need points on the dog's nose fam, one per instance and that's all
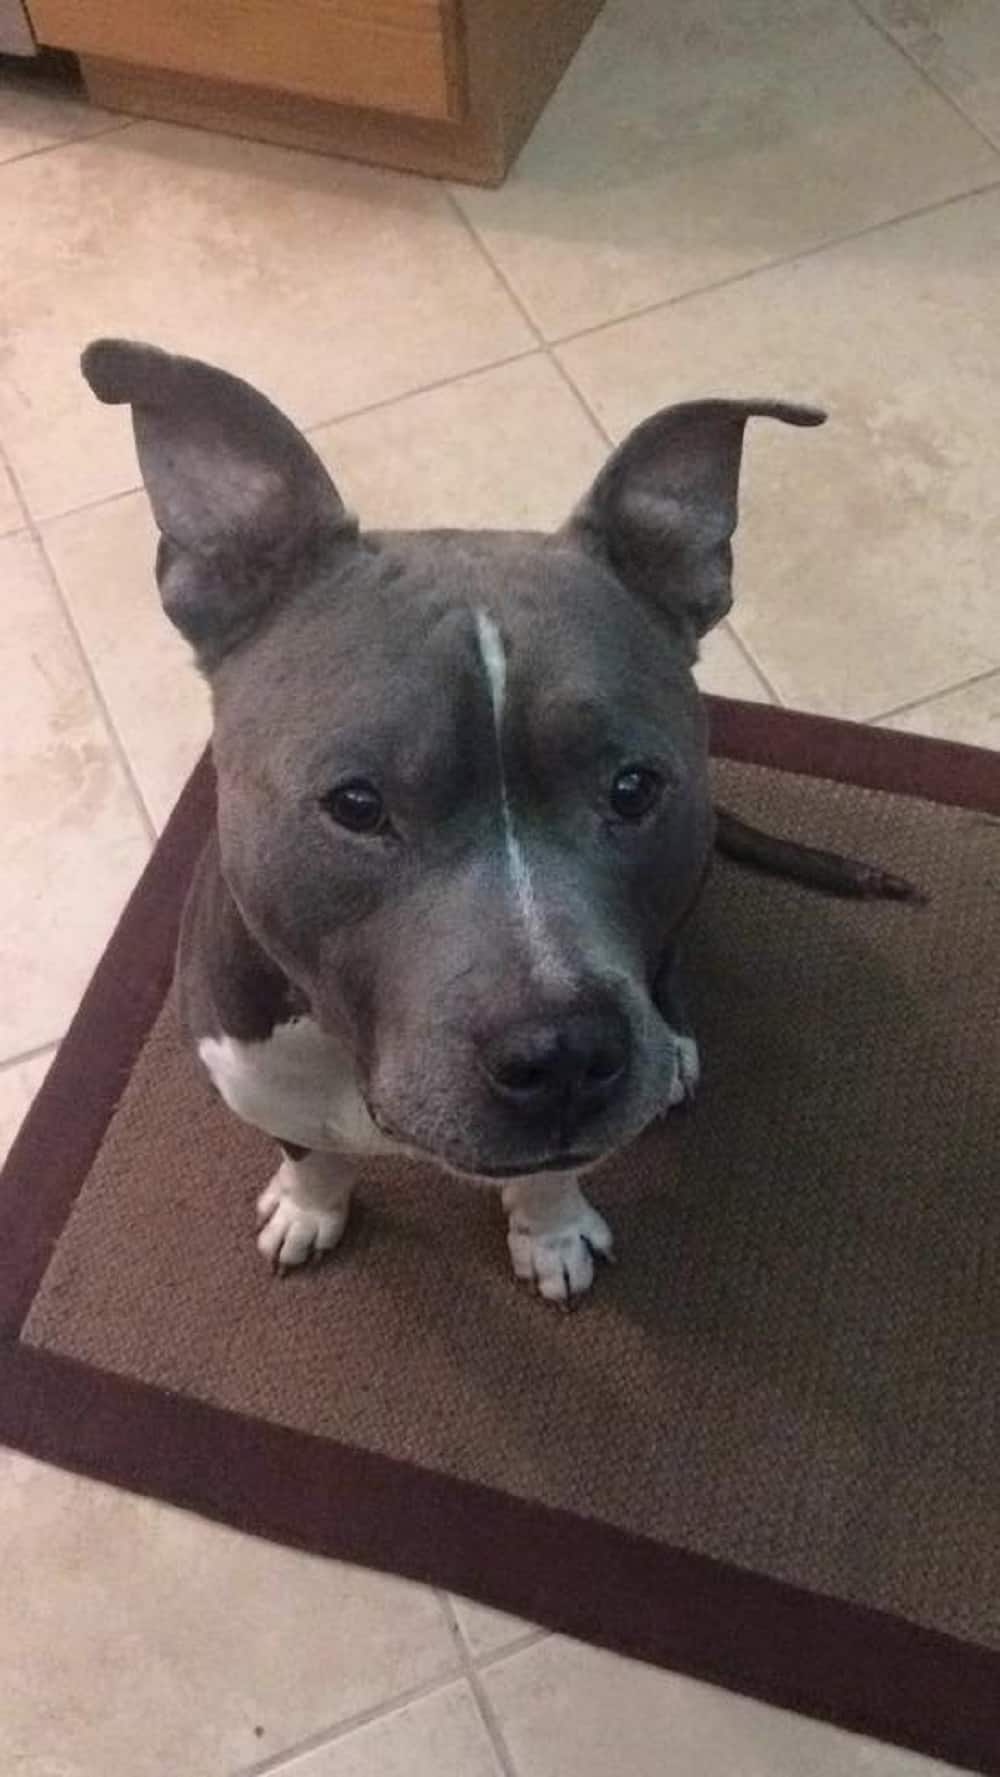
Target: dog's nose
(568, 1067)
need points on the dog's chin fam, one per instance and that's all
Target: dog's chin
(486, 1171)
(555, 1163)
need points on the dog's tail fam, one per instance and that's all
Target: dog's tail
(804, 863)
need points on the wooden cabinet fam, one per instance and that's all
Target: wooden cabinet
(397, 55)
(443, 86)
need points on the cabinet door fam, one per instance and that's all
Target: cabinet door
(391, 55)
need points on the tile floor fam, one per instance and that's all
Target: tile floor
(796, 197)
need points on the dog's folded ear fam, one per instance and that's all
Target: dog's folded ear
(664, 507)
(244, 506)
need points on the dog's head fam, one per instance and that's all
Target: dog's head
(463, 799)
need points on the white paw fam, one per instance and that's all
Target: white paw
(290, 1234)
(688, 1072)
(560, 1263)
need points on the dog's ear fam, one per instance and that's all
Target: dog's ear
(244, 506)
(664, 507)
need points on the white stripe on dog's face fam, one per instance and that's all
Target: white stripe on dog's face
(544, 955)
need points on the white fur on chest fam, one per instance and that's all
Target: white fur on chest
(298, 1085)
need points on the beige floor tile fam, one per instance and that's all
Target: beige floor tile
(725, 670)
(688, 143)
(18, 1085)
(485, 1631)
(866, 558)
(571, 1711)
(329, 285)
(440, 1736)
(34, 116)
(510, 448)
(103, 557)
(958, 42)
(73, 839)
(140, 1640)
(971, 714)
(11, 516)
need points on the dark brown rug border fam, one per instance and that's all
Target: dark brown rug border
(857, 1667)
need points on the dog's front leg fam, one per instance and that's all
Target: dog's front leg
(303, 1211)
(553, 1235)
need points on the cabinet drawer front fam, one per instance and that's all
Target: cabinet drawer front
(391, 55)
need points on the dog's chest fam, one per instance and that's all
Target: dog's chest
(298, 1085)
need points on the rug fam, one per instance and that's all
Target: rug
(765, 1451)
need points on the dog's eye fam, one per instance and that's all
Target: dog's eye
(635, 791)
(356, 806)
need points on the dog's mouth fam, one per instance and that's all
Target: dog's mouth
(554, 1163)
(560, 1162)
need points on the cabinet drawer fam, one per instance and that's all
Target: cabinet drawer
(391, 55)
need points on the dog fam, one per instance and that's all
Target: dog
(463, 806)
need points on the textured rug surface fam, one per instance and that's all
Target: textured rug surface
(767, 1449)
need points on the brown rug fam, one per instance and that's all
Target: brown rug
(766, 1451)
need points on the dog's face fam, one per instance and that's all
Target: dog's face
(463, 796)
(463, 803)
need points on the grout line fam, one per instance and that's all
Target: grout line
(770, 265)
(753, 663)
(529, 320)
(527, 1637)
(933, 697)
(488, 1717)
(110, 129)
(30, 1055)
(474, 1680)
(519, 1644)
(19, 506)
(925, 74)
(441, 382)
(363, 1718)
(501, 276)
(581, 400)
(117, 745)
(122, 493)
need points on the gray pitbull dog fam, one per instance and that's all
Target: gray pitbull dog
(463, 805)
